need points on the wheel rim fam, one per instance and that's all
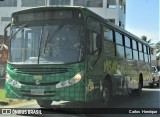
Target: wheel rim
(140, 87)
(105, 95)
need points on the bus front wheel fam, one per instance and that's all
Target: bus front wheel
(106, 93)
(44, 103)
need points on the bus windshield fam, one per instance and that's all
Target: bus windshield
(54, 44)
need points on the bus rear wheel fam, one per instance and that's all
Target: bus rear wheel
(44, 103)
(106, 93)
(137, 92)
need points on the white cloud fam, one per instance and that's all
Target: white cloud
(154, 36)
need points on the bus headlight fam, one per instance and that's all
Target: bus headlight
(77, 77)
(71, 81)
(13, 82)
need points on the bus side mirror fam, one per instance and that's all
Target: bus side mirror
(5, 31)
(5, 35)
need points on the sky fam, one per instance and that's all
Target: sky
(142, 18)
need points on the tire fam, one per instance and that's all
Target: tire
(44, 103)
(106, 93)
(137, 92)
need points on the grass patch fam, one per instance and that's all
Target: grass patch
(2, 95)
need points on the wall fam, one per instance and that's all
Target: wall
(7, 11)
(107, 13)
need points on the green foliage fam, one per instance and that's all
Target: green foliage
(146, 39)
(2, 95)
(149, 42)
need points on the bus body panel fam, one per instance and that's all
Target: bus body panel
(40, 78)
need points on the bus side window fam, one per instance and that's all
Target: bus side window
(108, 33)
(149, 54)
(140, 47)
(119, 45)
(128, 49)
(94, 44)
(135, 50)
(94, 35)
(146, 53)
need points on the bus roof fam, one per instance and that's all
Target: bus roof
(88, 13)
(45, 8)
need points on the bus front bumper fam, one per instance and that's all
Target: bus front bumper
(69, 90)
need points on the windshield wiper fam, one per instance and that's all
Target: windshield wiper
(45, 43)
(40, 43)
(47, 40)
(54, 33)
(14, 35)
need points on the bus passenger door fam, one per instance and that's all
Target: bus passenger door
(94, 48)
(94, 66)
(94, 42)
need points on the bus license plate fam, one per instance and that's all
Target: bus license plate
(37, 92)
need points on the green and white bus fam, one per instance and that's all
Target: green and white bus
(72, 54)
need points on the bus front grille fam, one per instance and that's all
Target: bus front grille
(41, 84)
(42, 71)
(29, 95)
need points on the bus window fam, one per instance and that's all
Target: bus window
(135, 55)
(141, 56)
(128, 53)
(149, 53)
(149, 58)
(148, 50)
(119, 39)
(127, 42)
(140, 47)
(146, 58)
(140, 52)
(120, 51)
(95, 43)
(144, 48)
(134, 44)
(128, 49)
(93, 25)
(108, 34)
(95, 39)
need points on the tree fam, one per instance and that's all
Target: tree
(145, 39)
(149, 42)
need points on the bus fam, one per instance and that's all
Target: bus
(72, 54)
